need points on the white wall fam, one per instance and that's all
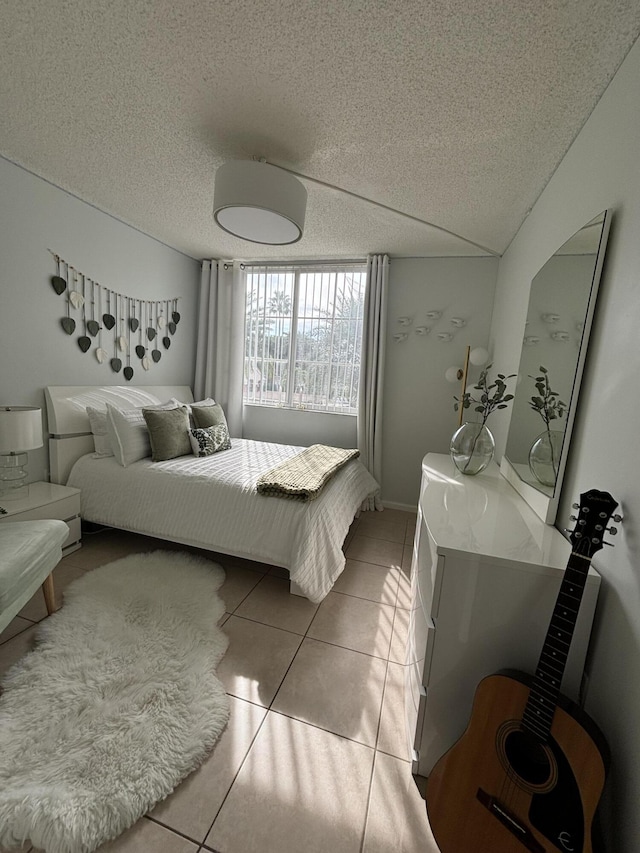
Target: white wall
(418, 415)
(601, 170)
(36, 216)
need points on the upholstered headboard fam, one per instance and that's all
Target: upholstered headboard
(68, 423)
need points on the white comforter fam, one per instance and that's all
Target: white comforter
(212, 503)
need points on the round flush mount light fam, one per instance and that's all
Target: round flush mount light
(259, 202)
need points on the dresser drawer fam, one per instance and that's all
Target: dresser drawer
(427, 570)
(422, 635)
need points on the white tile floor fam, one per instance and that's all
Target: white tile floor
(314, 758)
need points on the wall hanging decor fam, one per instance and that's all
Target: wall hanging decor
(107, 320)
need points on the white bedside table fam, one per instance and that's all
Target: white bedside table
(48, 500)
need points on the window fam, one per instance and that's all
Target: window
(303, 336)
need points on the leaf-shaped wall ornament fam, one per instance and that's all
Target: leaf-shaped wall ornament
(84, 342)
(76, 299)
(122, 341)
(116, 364)
(128, 371)
(146, 362)
(101, 354)
(151, 333)
(92, 325)
(156, 355)
(161, 321)
(57, 282)
(172, 328)
(68, 324)
(108, 319)
(166, 341)
(133, 321)
(140, 351)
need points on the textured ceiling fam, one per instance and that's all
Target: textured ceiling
(453, 111)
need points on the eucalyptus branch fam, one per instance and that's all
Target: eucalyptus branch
(548, 404)
(491, 396)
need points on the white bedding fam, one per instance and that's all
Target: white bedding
(177, 500)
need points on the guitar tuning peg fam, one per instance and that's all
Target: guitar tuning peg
(617, 518)
(611, 530)
(575, 506)
(573, 518)
(610, 544)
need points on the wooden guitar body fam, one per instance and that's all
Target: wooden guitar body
(499, 790)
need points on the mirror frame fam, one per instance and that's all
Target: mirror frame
(544, 505)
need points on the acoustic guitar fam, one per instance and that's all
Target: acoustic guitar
(528, 772)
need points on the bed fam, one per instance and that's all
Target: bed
(211, 502)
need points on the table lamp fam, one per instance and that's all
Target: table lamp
(20, 430)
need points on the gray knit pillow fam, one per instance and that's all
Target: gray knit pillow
(208, 416)
(168, 432)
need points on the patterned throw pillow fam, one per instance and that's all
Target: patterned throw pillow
(210, 440)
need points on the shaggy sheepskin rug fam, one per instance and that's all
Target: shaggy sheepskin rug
(117, 703)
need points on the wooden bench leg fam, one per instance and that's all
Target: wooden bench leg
(49, 594)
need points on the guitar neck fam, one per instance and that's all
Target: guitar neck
(545, 688)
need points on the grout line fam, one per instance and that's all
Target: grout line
(322, 729)
(237, 773)
(368, 804)
(171, 828)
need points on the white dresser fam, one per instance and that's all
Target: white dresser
(485, 575)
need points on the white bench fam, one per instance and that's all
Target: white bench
(29, 551)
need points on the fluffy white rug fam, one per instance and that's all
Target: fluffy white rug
(118, 702)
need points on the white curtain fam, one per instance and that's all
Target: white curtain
(372, 370)
(220, 345)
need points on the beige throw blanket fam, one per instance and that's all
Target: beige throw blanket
(303, 476)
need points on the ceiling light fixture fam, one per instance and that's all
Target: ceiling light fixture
(259, 202)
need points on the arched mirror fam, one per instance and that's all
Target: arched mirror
(561, 305)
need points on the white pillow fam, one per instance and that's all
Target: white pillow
(208, 402)
(101, 441)
(128, 433)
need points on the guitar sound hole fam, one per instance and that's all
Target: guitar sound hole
(527, 757)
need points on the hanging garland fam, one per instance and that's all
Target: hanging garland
(123, 316)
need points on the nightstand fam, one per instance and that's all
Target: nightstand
(48, 500)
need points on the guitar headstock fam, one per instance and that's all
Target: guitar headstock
(595, 510)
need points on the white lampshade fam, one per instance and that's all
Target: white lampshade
(20, 429)
(259, 202)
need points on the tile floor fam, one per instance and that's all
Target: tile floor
(314, 758)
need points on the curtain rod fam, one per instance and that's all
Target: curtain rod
(383, 206)
(293, 263)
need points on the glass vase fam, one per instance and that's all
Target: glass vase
(544, 456)
(472, 448)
